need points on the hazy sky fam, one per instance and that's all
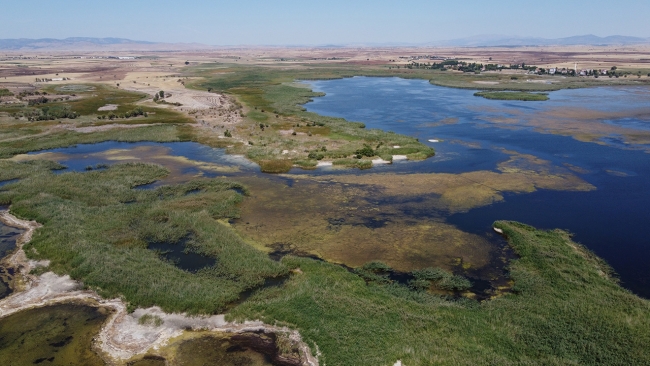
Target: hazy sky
(282, 22)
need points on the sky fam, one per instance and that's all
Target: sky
(308, 22)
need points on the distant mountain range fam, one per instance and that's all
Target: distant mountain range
(122, 44)
(496, 40)
(92, 44)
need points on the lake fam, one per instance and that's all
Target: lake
(475, 133)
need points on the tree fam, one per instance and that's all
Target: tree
(613, 68)
(161, 94)
(187, 62)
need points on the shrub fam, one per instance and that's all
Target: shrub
(315, 155)
(275, 166)
(366, 151)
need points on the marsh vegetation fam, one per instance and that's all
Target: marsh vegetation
(565, 308)
(97, 228)
(561, 304)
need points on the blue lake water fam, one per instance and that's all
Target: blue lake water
(612, 221)
(79, 157)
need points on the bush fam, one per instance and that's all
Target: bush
(419, 285)
(275, 166)
(442, 279)
(366, 151)
(315, 155)
(376, 266)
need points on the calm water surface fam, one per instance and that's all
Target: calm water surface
(611, 221)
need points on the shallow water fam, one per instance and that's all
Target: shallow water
(611, 220)
(52, 335)
(8, 237)
(182, 257)
(5, 182)
(210, 350)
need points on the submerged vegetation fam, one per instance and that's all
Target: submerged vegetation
(55, 335)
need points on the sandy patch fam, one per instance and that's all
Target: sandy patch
(108, 107)
(380, 161)
(486, 82)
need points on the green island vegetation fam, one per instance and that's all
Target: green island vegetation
(525, 96)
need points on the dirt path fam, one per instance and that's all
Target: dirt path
(122, 337)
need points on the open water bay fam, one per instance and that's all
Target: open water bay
(594, 133)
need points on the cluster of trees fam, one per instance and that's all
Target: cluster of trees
(463, 66)
(159, 98)
(160, 95)
(6, 93)
(138, 111)
(49, 113)
(37, 101)
(366, 151)
(23, 94)
(317, 154)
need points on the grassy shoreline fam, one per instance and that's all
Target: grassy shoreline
(510, 95)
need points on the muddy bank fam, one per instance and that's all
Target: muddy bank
(124, 335)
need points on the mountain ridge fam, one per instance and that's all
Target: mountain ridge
(124, 44)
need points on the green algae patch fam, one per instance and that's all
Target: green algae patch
(566, 308)
(51, 335)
